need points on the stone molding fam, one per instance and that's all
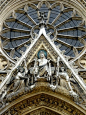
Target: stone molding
(42, 97)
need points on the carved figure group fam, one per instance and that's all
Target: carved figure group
(42, 68)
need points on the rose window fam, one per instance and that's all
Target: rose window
(63, 25)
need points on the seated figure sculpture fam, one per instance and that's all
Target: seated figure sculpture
(42, 66)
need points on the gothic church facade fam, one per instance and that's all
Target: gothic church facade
(42, 57)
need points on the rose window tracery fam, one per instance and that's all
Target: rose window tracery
(62, 23)
(43, 58)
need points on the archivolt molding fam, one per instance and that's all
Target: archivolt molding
(43, 110)
(42, 97)
(14, 4)
(3, 3)
(83, 2)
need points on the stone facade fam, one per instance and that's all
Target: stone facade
(42, 57)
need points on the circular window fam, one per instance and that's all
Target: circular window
(62, 24)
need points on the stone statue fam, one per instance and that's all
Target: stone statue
(42, 66)
(63, 75)
(18, 81)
